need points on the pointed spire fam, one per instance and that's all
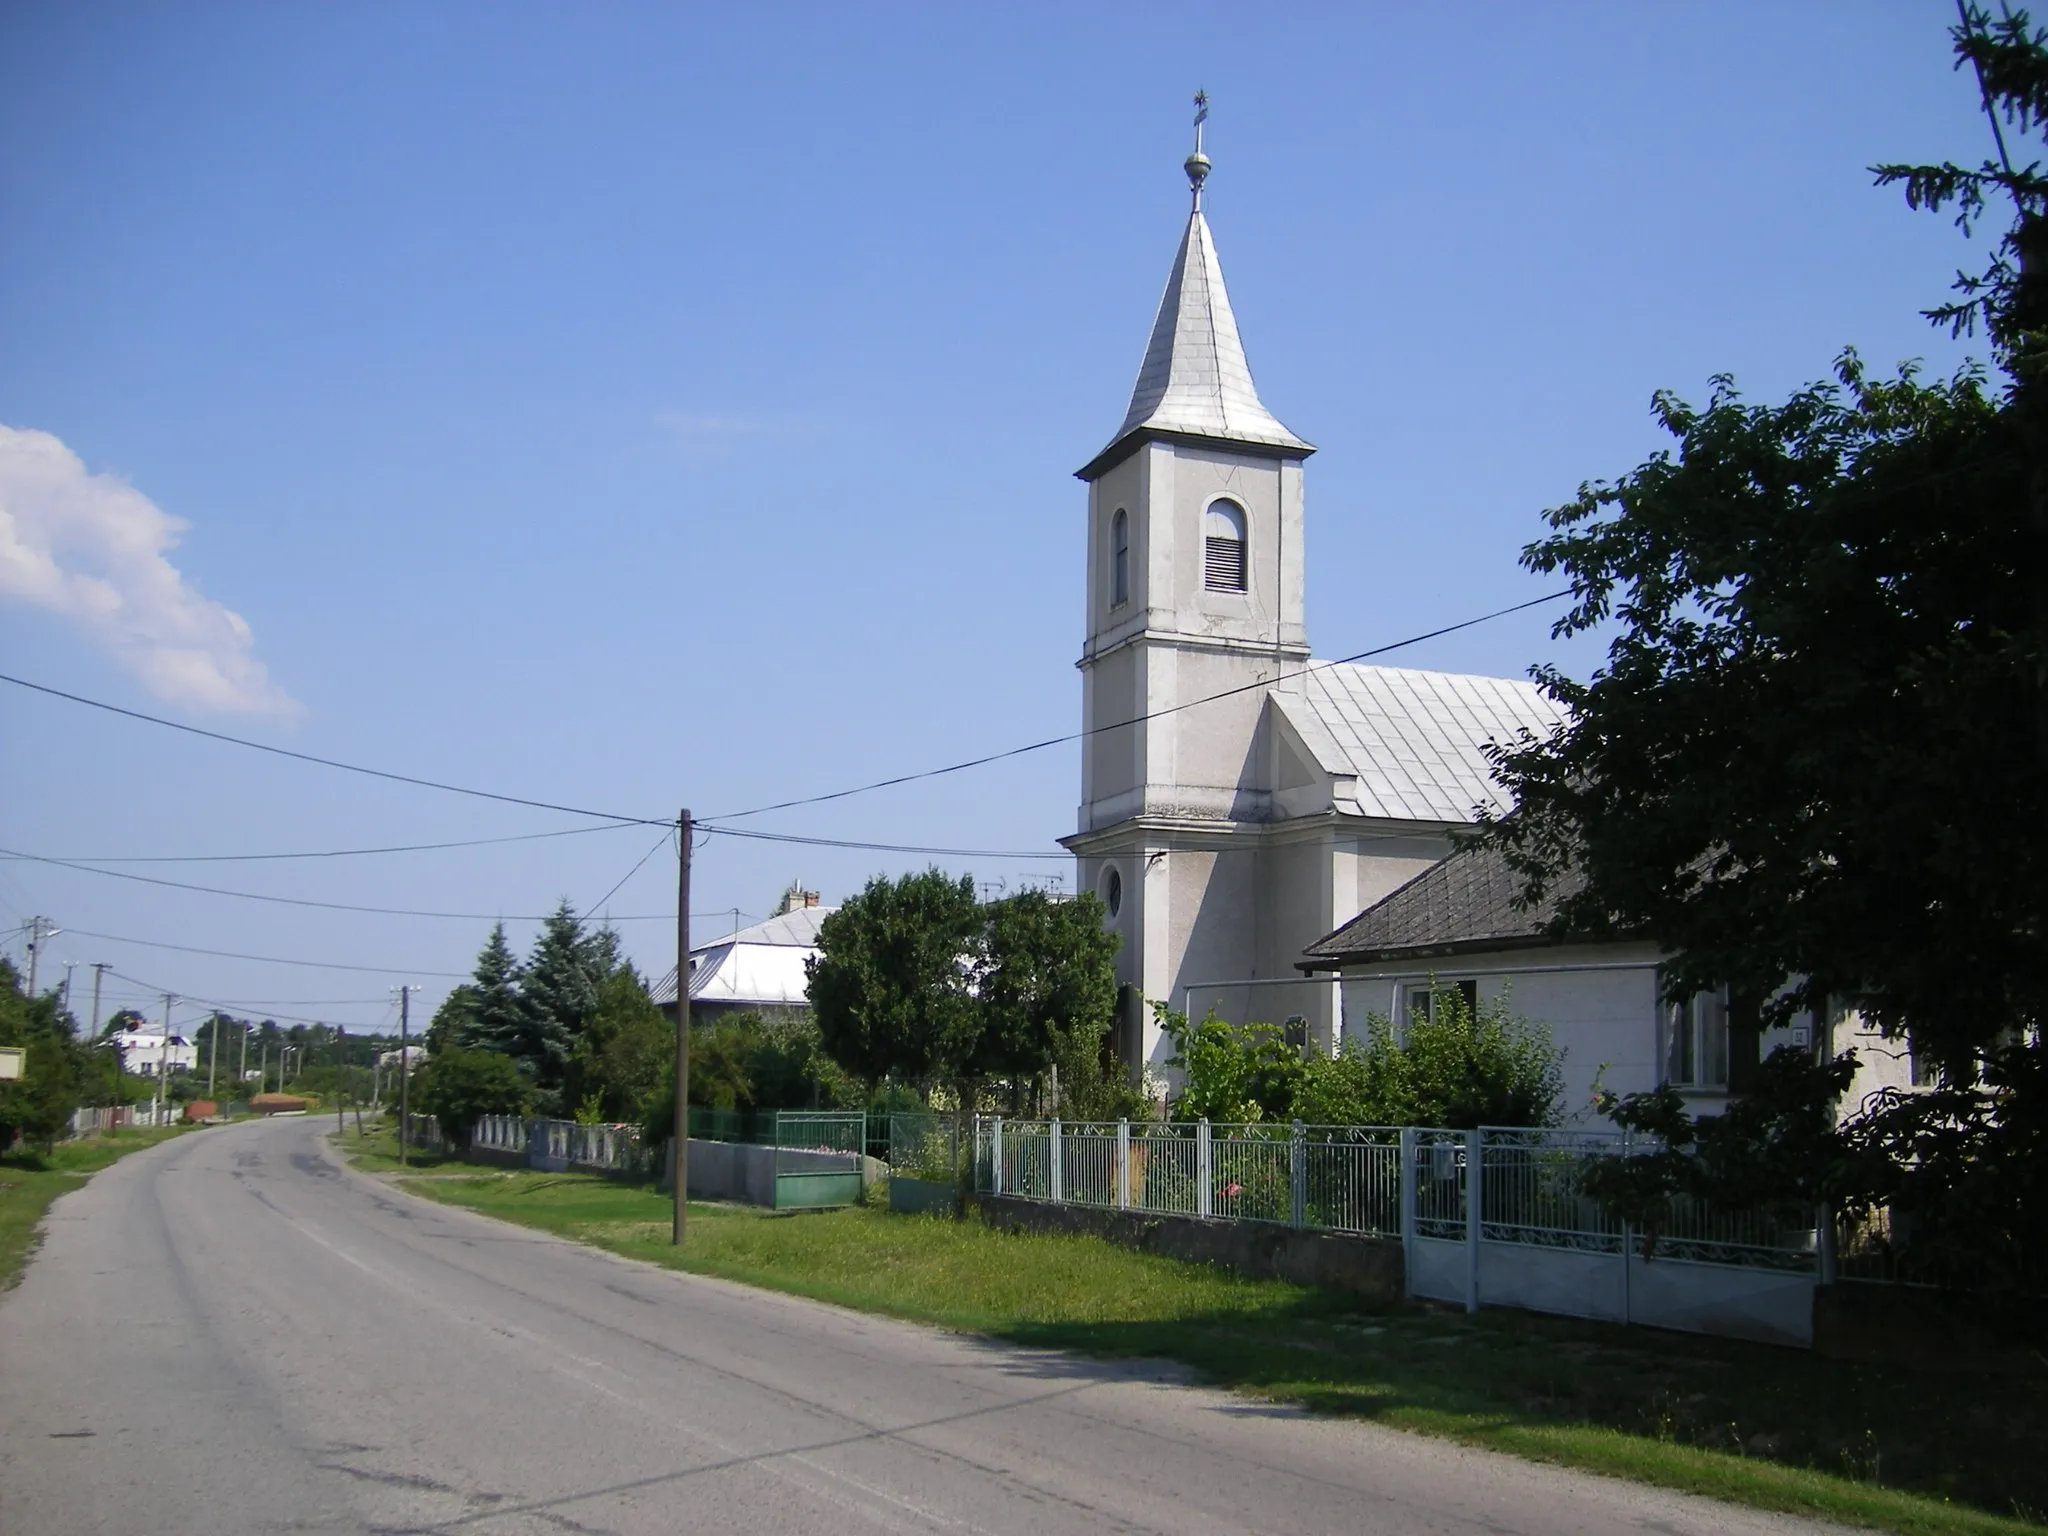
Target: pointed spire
(1195, 380)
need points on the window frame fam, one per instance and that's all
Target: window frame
(1693, 1041)
(1119, 558)
(1233, 513)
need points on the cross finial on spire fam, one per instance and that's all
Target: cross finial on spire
(1197, 164)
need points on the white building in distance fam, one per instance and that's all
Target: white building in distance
(143, 1052)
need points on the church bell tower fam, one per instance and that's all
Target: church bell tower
(1194, 590)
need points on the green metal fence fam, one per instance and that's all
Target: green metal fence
(820, 1158)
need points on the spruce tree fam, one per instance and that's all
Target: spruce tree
(558, 998)
(491, 1016)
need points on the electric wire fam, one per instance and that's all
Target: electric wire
(343, 853)
(326, 762)
(229, 954)
(1096, 730)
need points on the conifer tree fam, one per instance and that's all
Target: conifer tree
(558, 997)
(490, 1016)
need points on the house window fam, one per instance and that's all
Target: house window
(1223, 547)
(1921, 1071)
(1696, 1040)
(1423, 1001)
(1113, 891)
(1119, 559)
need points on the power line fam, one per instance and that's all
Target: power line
(229, 954)
(1082, 735)
(326, 762)
(840, 842)
(307, 901)
(342, 853)
(666, 837)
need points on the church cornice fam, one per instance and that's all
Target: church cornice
(1183, 641)
(1138, 438)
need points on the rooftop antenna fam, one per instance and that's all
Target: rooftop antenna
(1197, 164)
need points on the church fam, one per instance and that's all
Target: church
(1239, 800)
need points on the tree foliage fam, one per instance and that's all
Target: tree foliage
(459, 1087)
(892, 984)
(1819, 742)
(1455, 1067)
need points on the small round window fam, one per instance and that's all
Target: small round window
(1113, 891)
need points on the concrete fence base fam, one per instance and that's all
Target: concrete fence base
(1364, 1266)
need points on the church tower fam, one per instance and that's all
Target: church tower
(1195, 589)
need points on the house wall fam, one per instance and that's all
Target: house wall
(1599, 1003)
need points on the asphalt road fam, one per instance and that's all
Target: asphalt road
(233, 1333)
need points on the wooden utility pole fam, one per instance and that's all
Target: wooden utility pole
(681, 1130)
(163, 1061)
(99, 974)
(340, 1075)
(212, 1049)
(242, 1072)
(404, 1062)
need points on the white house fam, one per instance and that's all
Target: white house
(758, 969)
(1455, 925)
(143, 1052)
(1239, 800)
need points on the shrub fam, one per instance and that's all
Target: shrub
(459, 1087)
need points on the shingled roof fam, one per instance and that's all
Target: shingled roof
(1466, 902)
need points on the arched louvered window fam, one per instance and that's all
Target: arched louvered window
(1223, 547)
(1119, 559)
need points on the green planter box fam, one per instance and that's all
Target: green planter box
(917, 1197)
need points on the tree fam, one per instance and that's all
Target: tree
(489, 1015)
(459, 1087)
(626, 1052)
(1234, 1074)
(892, 985)
(557, 995)
(38, 1105)
(1819, 744)
(1046, 993)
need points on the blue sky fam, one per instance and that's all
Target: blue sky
(634, 406)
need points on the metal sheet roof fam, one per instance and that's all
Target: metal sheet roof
(1412, 740)
(761, 965)
(1195, 379)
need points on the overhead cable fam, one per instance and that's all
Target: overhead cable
(229, 954)
(325, 762)
(1096, 730)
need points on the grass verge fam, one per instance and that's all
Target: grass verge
(1887, 1447)
(30, 1181)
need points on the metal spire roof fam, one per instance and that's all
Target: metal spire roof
(1195, 379)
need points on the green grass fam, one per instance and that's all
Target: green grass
(30, 1181)
(1888, 1447)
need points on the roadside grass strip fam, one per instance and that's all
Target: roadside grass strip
(31, 1181)
(1887, 1447)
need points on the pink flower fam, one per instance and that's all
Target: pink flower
(1232, 1191)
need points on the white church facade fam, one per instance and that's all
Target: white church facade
(1240, 800)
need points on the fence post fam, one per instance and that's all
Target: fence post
(1297, 1175)
(995, 1143)
(1475, 1146)
(1628, 1300)
(1203, 1193)
(1824, 1244)
(1057, 1173)
(1405, 1152)
(1123, 1165)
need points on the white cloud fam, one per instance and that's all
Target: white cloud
(92, 547)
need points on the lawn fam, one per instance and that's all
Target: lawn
(1887, 1447)
(30, 1181)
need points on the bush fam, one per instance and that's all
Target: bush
(459, 1087)
(1458, 1069)
(1234, 1073)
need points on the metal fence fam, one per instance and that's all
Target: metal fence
(1336, 1178)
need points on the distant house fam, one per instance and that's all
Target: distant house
(142, 1052)
(1456, 926)
(758, 969)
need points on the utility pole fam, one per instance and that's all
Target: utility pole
(681, 1130)
(39, 929)
(99, 975)
(242, 1072)
(340, 1076)
(404, 1062)
(263, 1069)
(69, 967)
(163, 1060)
(212, 1049)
